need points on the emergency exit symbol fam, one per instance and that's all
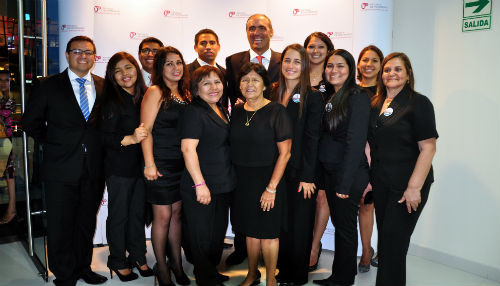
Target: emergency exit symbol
(476, 15)
(479, 4)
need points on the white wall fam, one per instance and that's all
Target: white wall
(460, 73)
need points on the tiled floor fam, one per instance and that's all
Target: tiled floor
(16, 268)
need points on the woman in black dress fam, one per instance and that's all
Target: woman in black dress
(402, 139)
(122, 133)
(342, 156)
(260, 148)
(318, 45)
(208, 180)
(161, 111)
(304, 107)
(369, 63)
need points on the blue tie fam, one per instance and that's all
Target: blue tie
(84, 103)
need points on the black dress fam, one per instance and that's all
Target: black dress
(254, 153)
(167, 155)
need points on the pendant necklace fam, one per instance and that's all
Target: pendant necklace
(248, 120)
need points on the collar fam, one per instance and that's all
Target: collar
(266, 54)
(145, 73)
(203, 63)
(73, 76)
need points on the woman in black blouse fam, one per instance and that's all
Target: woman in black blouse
(402, 140)
(369, 63)
(122, 133)
(304, 107)
(260, 148)
(318, 45)
(208, 180)
(342, 156)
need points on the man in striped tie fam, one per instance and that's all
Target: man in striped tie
(61, 115)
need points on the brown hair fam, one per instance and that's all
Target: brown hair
(362, 53)
(199, 74)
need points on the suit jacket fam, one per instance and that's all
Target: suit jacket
(234, 64)
(54, 118)
(195, 64)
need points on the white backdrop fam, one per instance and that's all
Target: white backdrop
(120, 25)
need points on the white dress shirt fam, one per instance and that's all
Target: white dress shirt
(89, 87)
(147, 77)
(265, 60)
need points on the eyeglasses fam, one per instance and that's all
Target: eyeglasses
(79, 52)
(146, 51)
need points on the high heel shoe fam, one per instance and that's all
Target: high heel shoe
(157, 277)
(124, 278)
(144, 273)
(362, 268)
(256, 281)
(182, 279)
(8, 218)
(315, 266)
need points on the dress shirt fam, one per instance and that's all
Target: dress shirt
(265, 60)
(89, 87)
(147, 77)
(203, 63)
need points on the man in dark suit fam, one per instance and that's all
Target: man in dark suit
(259, 33)
(61, 115)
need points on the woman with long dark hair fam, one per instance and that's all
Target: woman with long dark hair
(342, 156)
(122, 133)
(161, 111)
(304, 107)
(402, 140)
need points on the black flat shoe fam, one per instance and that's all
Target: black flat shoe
(144, 273)
(315, 266)
(90, 277)
(124, 278)
(221, 277)
(328, 282)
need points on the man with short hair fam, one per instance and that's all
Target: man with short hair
(147, 50)
(259, 33)
(61, 115)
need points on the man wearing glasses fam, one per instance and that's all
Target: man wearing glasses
(147, 50)
(61, 115)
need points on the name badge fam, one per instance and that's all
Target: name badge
(388, 111)
(296, 98)
(328, 107)
(322, 88)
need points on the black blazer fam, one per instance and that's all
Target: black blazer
(306, 133)
(394, 138)
(234, 64)
(54, 118)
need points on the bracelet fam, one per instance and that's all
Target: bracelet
(270, 191)
(199, 185)
(145, 167)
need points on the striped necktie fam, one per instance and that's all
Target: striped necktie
(84, 103)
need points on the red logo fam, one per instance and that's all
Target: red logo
(97, 58)
(166, 13)
(63, 27)
(330, 35)
(103, 202)
(296, 11)
(132, 34)
(97, 9)
(231, 14)
(364, 5)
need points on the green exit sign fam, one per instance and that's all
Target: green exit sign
(476, 15)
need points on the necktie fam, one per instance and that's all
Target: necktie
(259, 58)
(84, 103)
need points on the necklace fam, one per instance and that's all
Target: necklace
(176, 99)
(248, 120)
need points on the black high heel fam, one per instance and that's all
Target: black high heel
(144, 273)
(182, 279)
(124, 278)
(315, 266)
(157, 277)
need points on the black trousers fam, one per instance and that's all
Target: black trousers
(395, 227)
(296, 236)
(71, 222)
(206, 229)
(125, 222)
(344, 214)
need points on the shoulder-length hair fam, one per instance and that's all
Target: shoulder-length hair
(339, 100)
(323, 37)
(112, 90)
(379, 53)
(260, 70)
(199, 74)
(304, 84)
(157, 77)
(379, 98)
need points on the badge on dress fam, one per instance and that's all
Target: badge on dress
(296, 98)
(328, 107)
(322, 88)
(388, 111)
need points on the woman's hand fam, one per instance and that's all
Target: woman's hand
(203, 195)
(267, 201)
(308, 189)
(412, 198)
(342, 196)
(151, 173)
(140, 133)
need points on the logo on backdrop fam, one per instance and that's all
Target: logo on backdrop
(137, 36)
(174, 14)
(106, 10)
(304, 12)
(339, 35)
(72, 28)
(367, 6)
(101, 59)
(235, 14)
(277, 38)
